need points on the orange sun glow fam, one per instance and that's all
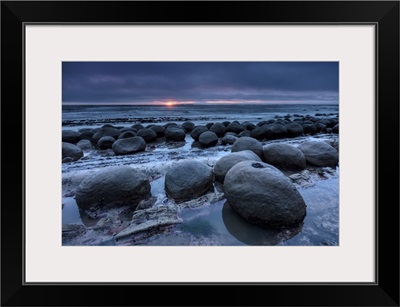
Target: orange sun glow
(170, 103)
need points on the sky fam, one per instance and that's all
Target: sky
(173, 83)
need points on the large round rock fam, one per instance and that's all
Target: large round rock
(277, 131)
(235, 127)
(188, 126)
(284, 157)
(187, 180)
(117, 185)
(261, 133)
(310, 129)
(71, 152)
(147, 134)
(262, 195)
(294, 129)
(129, 145)
(319, 153)
(174, 133)
(248, 143)
(218, 129)
(70, 136)
(208, 139)
(225, 163)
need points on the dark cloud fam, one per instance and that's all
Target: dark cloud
(149, 82)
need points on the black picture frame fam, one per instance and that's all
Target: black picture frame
(383, 14)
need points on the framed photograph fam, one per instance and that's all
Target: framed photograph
(201, 151)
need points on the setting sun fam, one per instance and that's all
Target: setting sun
(170, 103)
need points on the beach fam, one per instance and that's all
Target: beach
(206, 219)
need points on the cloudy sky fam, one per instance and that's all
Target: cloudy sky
(199, 82)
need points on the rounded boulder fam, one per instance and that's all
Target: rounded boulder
(248, 143)
(188, 180)
(263, 195)
(71, 152)
(208, 139)
(261, 133)
(188, 126)
(310, 129)
(147, 134)
(277, 131)
(129, 145)
(284, 157)
(294, 129)
(117, 185)
(174, 133)
(70, 136)
(235, 127)
(319, 153)
(218, 129)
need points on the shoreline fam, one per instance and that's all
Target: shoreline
(103, 226)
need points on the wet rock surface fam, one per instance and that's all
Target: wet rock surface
(319, 153)
(70, 136)
(188, 179)
(284, 157)
(263, 195)
(143, 220)
(198, 220)
(70, 152)
(129, 145)
(248, 143)
(119, 185)
(208, 139)
(175, 134)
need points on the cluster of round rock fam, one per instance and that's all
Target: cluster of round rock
(253, 181)
(129, 140)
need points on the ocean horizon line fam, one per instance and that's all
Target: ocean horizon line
(196, 104)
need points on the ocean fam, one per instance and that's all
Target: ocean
(76, 115)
